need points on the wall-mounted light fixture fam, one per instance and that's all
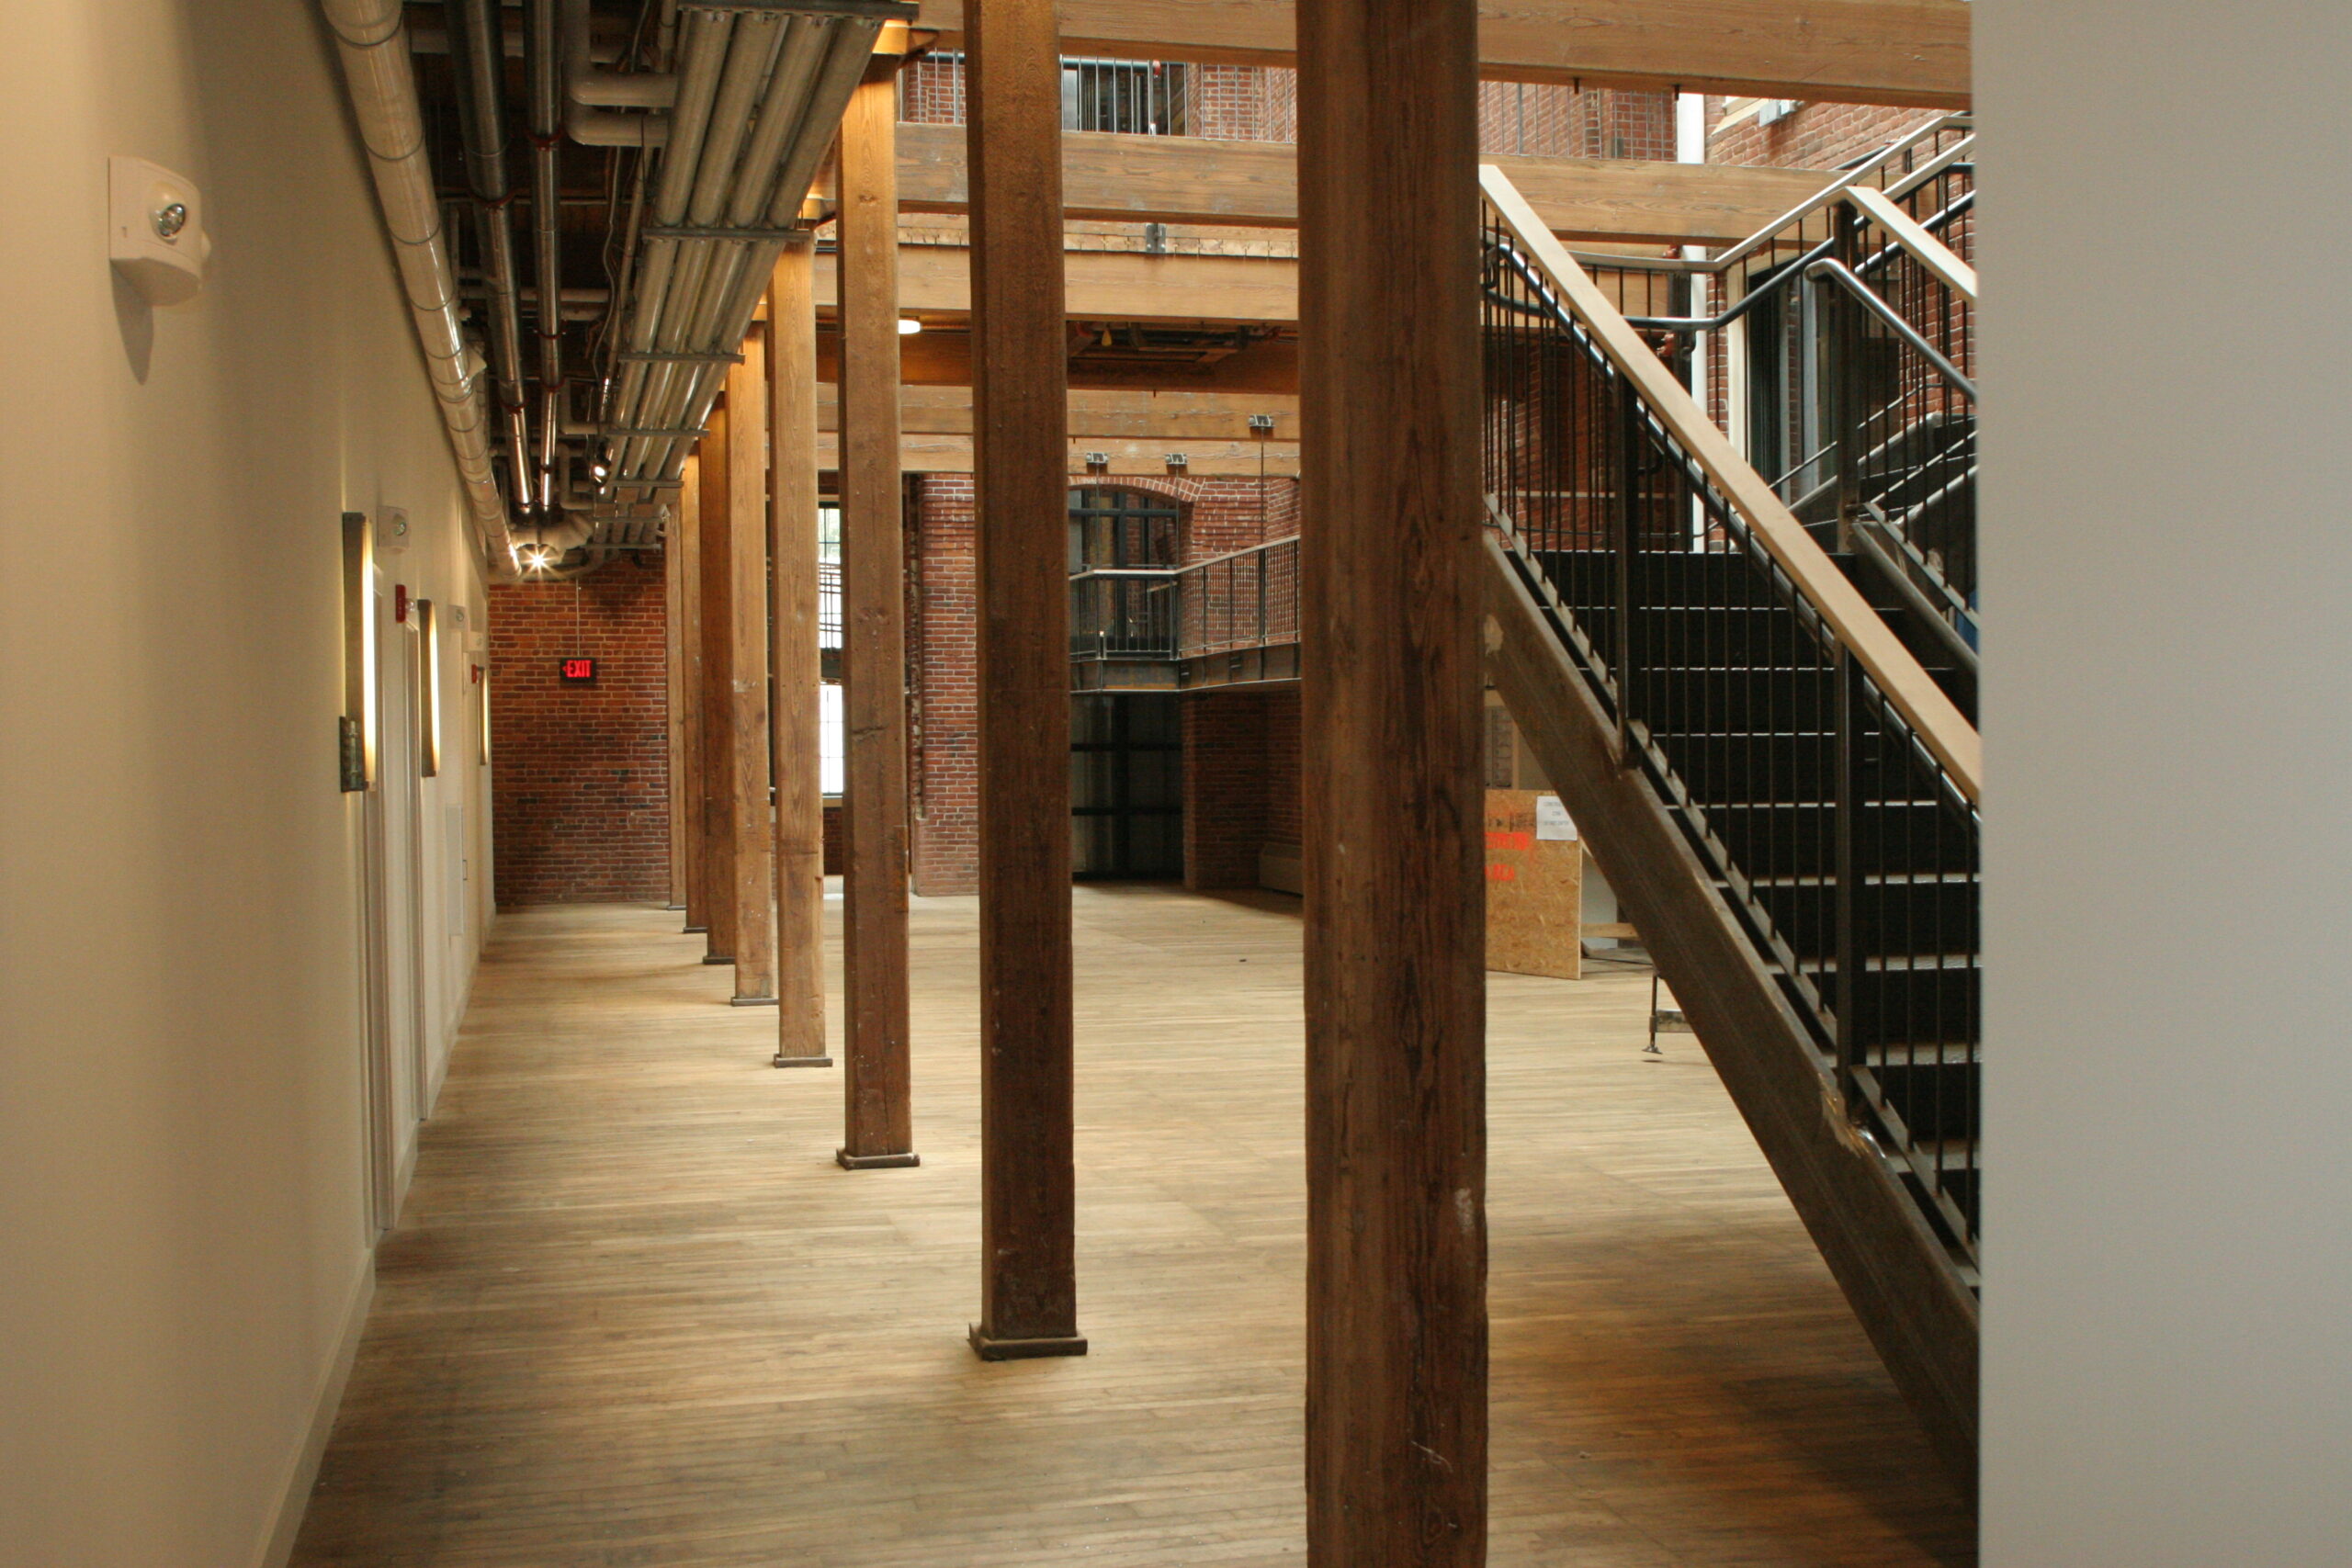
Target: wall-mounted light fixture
(356, 724)
(1177, 462)
(156, 238)
(429, 631)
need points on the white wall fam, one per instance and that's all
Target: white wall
(182, 1237)
(2166, 241)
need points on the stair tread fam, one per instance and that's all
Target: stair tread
(1944, 1054)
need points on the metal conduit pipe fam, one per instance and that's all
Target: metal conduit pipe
(702, 50)
(541, 68)
(596, 128)
(751, 59)
(372, 44)
(477, 54)
(784, 112)
(768, 196)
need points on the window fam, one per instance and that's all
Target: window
(831, 743)
(829, 578)
(1121, 529)
(1138, 97)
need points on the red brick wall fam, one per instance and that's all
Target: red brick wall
(1817, 136)
(1241, 782)
(931, 92)
(579, 775)
(1221, 515)
(943, 707)
(1248, 103)
(1545, 121)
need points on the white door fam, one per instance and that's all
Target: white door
(380, 1081)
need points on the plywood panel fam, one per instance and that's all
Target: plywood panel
(1534, 888)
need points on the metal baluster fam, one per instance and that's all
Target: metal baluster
(1629, 414)
(1848, 937)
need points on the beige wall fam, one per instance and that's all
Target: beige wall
(2167, 559)
(183, 1233)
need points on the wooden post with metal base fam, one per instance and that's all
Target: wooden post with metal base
(686, 540)
(878, 1120)
(674, 702)
(751, 800)
(799, 782)
(1021, 415)
(718, 591)
(1395, 987)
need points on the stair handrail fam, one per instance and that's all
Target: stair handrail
(1911, 235)
(1852, 179)
(1935, 721)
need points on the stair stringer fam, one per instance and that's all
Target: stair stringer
(1919, 1313)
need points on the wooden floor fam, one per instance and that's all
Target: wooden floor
(634, 1315)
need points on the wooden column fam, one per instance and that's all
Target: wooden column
(718, 592)
(753, 808)
(799, 781)
(1020, 385)
(687, 790)
(1396, 1116)
(880, 1120)
(674, 702)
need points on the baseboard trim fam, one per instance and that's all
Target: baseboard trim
(295, 1501)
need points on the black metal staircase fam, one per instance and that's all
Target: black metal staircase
(1773, 744)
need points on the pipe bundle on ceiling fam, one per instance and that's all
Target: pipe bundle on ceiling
(373, 46)
(758, 95)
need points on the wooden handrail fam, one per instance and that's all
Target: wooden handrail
(1923, 247)
(1941, 727)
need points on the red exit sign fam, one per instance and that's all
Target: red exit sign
(578, 671)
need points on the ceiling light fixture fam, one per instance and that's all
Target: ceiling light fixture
(908, 326)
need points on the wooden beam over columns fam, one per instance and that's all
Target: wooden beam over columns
(1028, 1198)
(716, 592)
(1190, 179)
(751, 805)
(880, 1118)
(1396, 993)
(1847, 52)
(688, 786)
(799, 784)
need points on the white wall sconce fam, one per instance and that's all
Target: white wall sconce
(156, 237)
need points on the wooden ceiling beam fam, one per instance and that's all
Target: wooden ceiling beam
(1165, 421)
(1184, 179)
(1857, 52)
(929, 453)
(1106, 286)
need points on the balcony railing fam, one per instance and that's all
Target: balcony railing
(1155, 627)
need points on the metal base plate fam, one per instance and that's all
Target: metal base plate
(876, 1162)
(989, 1349)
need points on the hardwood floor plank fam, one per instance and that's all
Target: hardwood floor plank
(635, 1314)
